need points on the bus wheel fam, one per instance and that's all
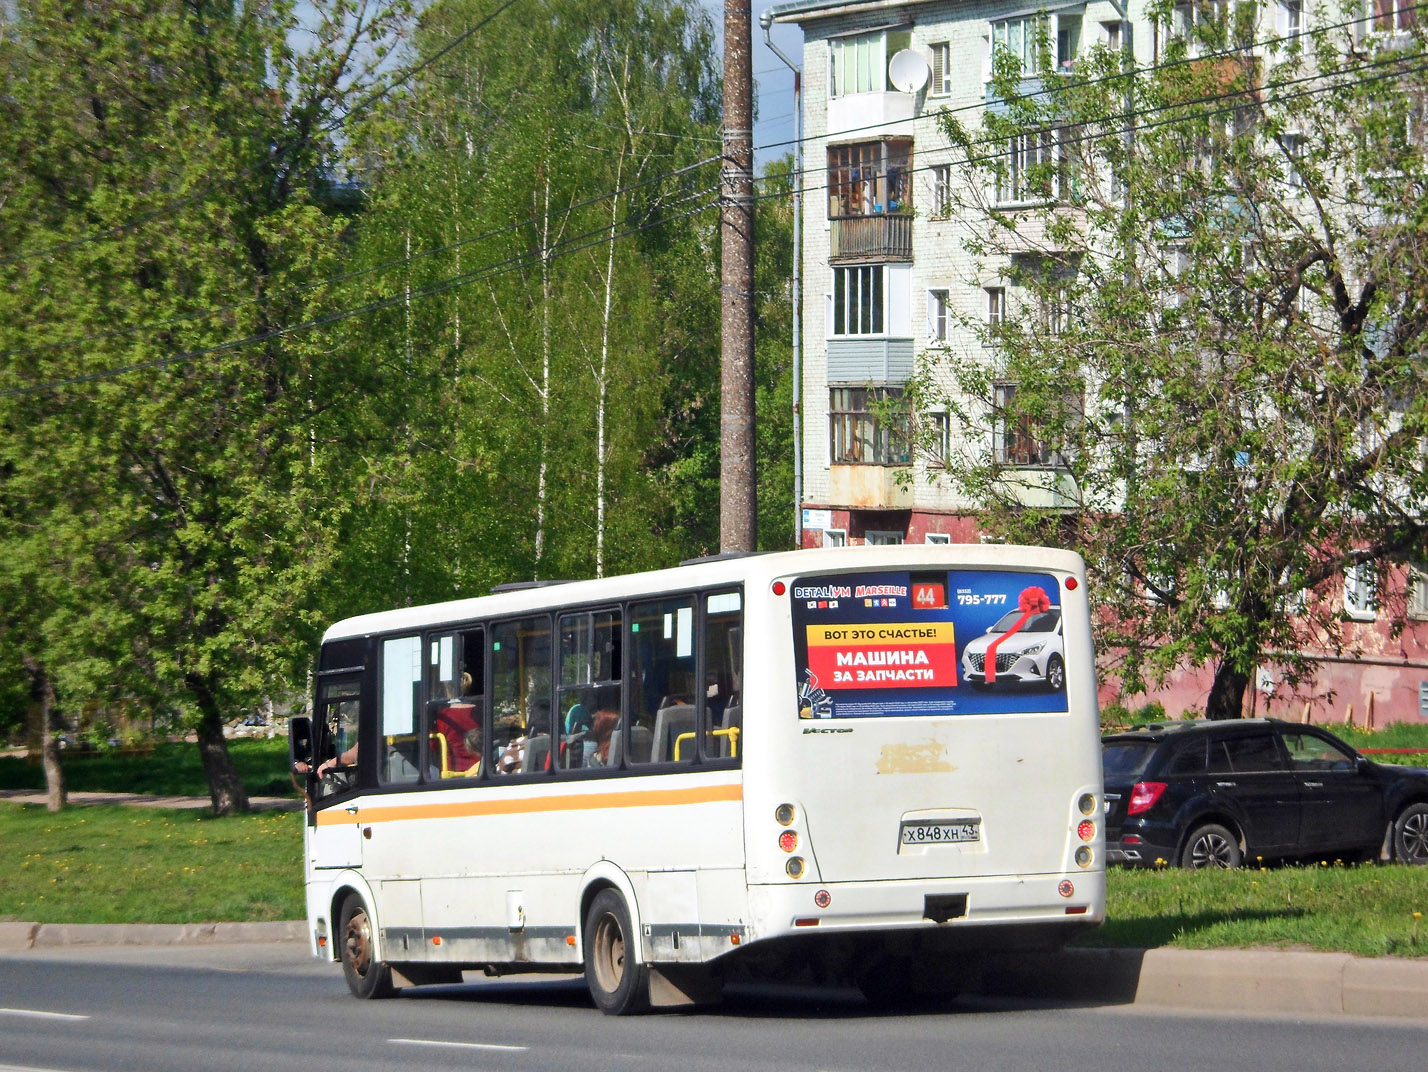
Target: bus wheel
(366, 978)
(618, 982)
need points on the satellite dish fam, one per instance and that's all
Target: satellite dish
(908, 71)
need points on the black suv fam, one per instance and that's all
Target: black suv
(1216, 794)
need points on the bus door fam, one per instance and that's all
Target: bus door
(336, 836)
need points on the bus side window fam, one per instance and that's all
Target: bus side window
(521, 723)
(722, 718)
(662, 682)
(587, 705)
(400, 761)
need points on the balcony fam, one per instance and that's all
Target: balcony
(882, 238)
(870, 487)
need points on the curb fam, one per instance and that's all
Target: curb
(14, 936)
(1240, 980)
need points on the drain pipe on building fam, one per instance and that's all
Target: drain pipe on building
(766, 21)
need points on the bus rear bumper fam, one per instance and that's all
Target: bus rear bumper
(1003, 902)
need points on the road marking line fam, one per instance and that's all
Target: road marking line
(455, 1045)
(42, 1015)
(28, 1068)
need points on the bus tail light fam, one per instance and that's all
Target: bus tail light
(1143, 796)
(788, 841)
(1086, 830)
(1087, 803)
(794, 867)
(1083, 857)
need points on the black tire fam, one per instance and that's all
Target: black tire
(1211, 845)
(1056, 674)
(618, 980)
(366, 978)
(1410, 835)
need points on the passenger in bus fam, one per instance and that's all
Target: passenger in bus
(346, 759)
(511, 741)
(456, 722)
(602, 729)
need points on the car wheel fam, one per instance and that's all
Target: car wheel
(1410, 835)
(1056, 674)
(1211, 845)
(366, 977)
(617, 980)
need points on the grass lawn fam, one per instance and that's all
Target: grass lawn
(1368, 909)
(173, 769)
(107, 864)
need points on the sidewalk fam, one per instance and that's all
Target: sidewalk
(32, 796)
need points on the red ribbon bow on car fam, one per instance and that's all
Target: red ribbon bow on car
(1032, 601)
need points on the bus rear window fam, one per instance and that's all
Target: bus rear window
(948, 642)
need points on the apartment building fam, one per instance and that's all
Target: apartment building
(887, 279)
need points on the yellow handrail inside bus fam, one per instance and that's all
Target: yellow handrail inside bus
(732, 733)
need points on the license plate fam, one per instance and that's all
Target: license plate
(940, 831)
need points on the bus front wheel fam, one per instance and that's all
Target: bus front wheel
(366, 977)
(617, 979)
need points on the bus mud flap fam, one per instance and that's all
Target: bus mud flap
(684, 984)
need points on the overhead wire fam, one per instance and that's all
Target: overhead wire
(570, 246)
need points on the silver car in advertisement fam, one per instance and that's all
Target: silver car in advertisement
(1024, 648)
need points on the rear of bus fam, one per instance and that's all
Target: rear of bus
(928, 778)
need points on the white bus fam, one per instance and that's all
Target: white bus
(776, 763)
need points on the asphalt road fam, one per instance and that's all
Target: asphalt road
(253, 1008)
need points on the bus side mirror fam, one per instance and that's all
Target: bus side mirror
(300, 741)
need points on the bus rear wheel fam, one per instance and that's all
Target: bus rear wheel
(366, 977)
(618, 981)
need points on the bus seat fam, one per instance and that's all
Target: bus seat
(640, 743)
(670, 722)
(733, 720)
(537, 752)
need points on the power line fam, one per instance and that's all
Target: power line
(402, 261)
(1061, 86)
(570, 246)
(1345, 76)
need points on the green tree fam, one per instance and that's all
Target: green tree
(535, 196)
(175, 465)
(1214, 351)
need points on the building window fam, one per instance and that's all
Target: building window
(1418, 591)
(941, 84)
(858, 63)
(996, 305)
(1291, 18)
(1361, 592)
(858, 300)
(835, 537)
(878, 538)
(941, 538)
(1111, 35)
(942, 190)
(1015, 438)
(869, 178)
(1035, 167)
(1395, 16)
(937, 437)
(1019, 38)
(859, 434)
(1294, 149)
(938, 313)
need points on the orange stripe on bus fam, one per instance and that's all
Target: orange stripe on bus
(460, 809)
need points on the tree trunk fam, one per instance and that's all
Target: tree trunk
(1227, 694)
(42, 715)
(225, 788)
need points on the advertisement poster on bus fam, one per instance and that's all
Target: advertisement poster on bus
(956, 642)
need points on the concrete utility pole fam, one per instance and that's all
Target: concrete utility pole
(738, 499)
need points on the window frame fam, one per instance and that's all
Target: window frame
(856, 435)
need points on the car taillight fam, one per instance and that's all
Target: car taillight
(1143, 796)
